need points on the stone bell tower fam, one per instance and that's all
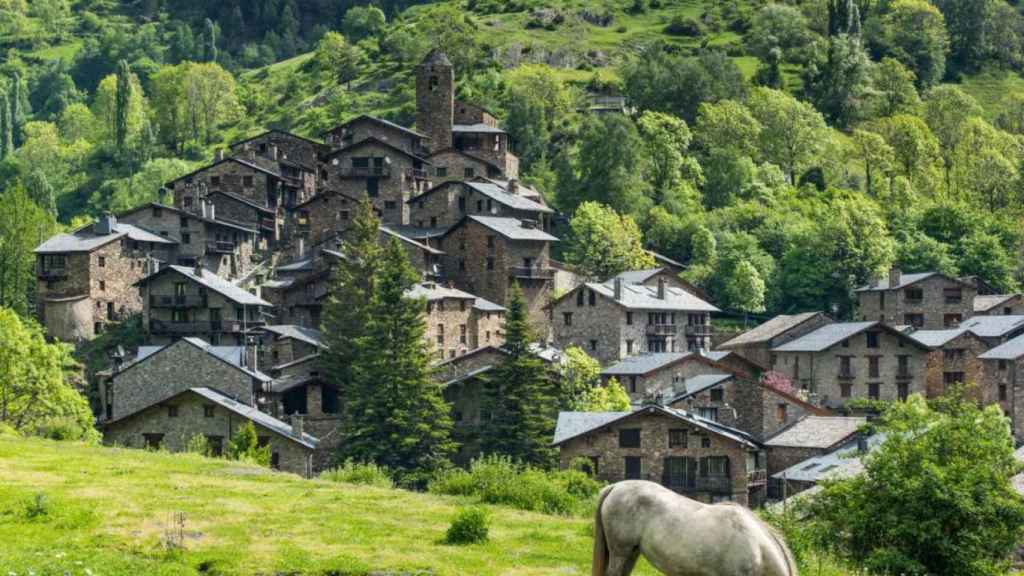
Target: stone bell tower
(435, 99)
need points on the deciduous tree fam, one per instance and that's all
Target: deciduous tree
(603, 243)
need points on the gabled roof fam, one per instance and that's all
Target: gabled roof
(250, 413)
(376, 120)
(372, 140)
(511, 228)
(493, 191)
(487, 306)
(243, 200)
(642, 364)
(993, 326)
(432, 291)
(843, 462)
(483, 161)
(234, 356)
(321, 195)
(467, 376)
(881, 284)
(192, 215)
(695, 385)
(278, 131)
(817, 432)
(938, 338)
(234, 159)
(984, 303)
(573, 424)
(391, 231)
(1010, 350)
(771, 329)
(832, 334)
(85, 240)
(295, 332)
(478, 128)
(641, 297)
(638, 276)
(213, 282)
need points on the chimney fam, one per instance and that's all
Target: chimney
(105, 225)
(895, 276)
(297, 426)
(302, 247)
(529, 224)
(274, 151)
(661, 288)
(513, 186)
(220, 154)
(862, 443)
(204, 211)
(618, 288)
(198, 270)
(252, 155)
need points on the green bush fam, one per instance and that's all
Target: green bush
(358, 473)
(499, 480)
(681, 26)
(66, 428)
(38, 506)
(470, 526)
(198, 444)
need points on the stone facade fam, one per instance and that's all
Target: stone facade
(299, 391)
(169, 372)
(643, 384)
(485, 263)
(1003, 384)
(465, 396)
(956, 362)
(435, 99)
(934, 302)
(374, 169)
(759, 351)
(473, 360)
(231, 175)
(248, 214)
(194, 414)
(744, 482)
(274, 144)
(886, 366)
(452, 164)
(321, 218)
(364, 127)
(447, 203)
(1005, 305)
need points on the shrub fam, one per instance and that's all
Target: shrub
(681, 26)
(470, 526)
(358, 473)
(198, 444)
(66, 428)
(38, 506)
(245, 446)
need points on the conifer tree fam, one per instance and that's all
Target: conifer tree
(210, 40)
(396, 416)
(6, 126)
(20, 107)
(123, 97)
(519, 396)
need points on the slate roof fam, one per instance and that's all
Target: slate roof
(695, 385)
(265, 420)
(415, 232)
(496, 192)
(379, 142)
(772, 328)
(85, 240)
(431, 291)
(936, 338)
(640, 297)
(644, 363)
(213, 282)
(467, 376)
(380, 121)
(190, 215)
(573, 424)
(830, 335)
(817, 432)
(242, 200)
(478, 128)
(1010, 350)
(233, 355)
(437, 57)
(993, 326)
(843, 462)
(639, 276)
(905, 280)
(391, 231)
(513, 228)
(277, 131)
(301, 333)
(487, 306)
(984, 303)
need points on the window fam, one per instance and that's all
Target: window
(632, 384)
(579, 298)
(172, 411)
(953, 354)
(1002, 392)
(677, 438)
(781, 412)
(629, 347)
(951, 320)
(591, 298)
(214, 180)
(593, 345)
(442, 171)
(845, 389)
(372, 187)
(1002, 365)
(490, 241)
(433, 221)
(915, 320)
(633, 468)
(186, 238)
(208, 411)
(715, 466)
(343, 215)
(247, 181)
(567, 318)
(159, 212)
(705, 441)
(902, 390)
(469, 172)
(462, 334)
(103, 285)
(903, 366)
(873, 362)
(153, 441)
(390, 205)
(951, 378)
(708, 413)
(872, 339)
(594, 461)
(183, 222)
(717, 395)
(490, 263)
(845, 369)
(873, 390)
(629, 318)
(462, 204)
(629, 438)
(679, 473)
(846, 343)
(915, 295)
(216, 445)
(953, 295)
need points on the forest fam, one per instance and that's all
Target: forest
(786, 152)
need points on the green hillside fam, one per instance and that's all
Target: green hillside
(110, 512)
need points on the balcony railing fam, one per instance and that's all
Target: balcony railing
(418, 173)
(847, 375)
(532, 272)
(220, 247)
(757, 477)
(661, 329)
(698, 329)
(223, 326)
(53, 274)
(183, 301)
(366, 172)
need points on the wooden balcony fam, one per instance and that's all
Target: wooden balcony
(51, 274)
(757, 477)
(532, 272)
(703, 330)
(182, 301)
(846, 375)
(186, 328)
(418, 174)
(365, 172)
(661, 329)
(220, 247)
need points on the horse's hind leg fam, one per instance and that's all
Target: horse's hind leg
(622, 564)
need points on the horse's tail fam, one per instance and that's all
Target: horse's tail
(600, 562)
(786, 554)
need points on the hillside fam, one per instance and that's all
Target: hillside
(109, 511)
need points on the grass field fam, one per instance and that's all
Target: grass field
(108, 512)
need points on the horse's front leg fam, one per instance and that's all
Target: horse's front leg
(622, 564)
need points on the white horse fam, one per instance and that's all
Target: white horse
(682, 537)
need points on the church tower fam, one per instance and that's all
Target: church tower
(435, 99)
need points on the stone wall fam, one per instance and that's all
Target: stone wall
(200, 310)
(958, 356)
(454, 165)
(819, 373)
(362, 128)
(172, 371)
(892, 306)
(452, 369)
(451, 201)
(486, 329)
(447, 323)
(324, 216)
(760, 352)
(435, 103)
(603, 445)
(396, 182)
(288, 147)
(236, 178)
(783, 457)
(192, 419)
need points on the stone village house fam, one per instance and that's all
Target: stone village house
(696, 457)
(954, 359)
(646, 375)
(85, 279)
(797, 455)
(999, 305)
(756, 344)
(447, 203)
(1004, 381)
(927, 300)
(614, 320)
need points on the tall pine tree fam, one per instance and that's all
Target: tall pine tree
(6, 126)
(520, 396)
(123, 98)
